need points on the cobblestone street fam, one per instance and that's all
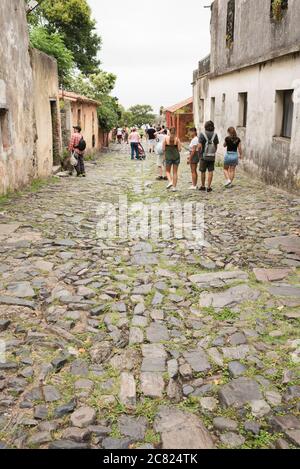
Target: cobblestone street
(149, 343)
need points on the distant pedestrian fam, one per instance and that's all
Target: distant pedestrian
(134, 139)
(76, 147)
(151, 138)
(161, 164)
(172, 148)
(126, 135)
(193, 158)
(233, 153)
(119, 135)
(208, 146)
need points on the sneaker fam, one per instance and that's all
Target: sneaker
(228, 183)
(159, 178)
(169, 185)
(174, 189)
(209, 189)
(165, 178)
(193, 188)
(202, 188)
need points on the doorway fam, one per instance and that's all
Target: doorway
(55, 133)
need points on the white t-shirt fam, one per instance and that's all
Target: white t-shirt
(194, 143)
(119, 131)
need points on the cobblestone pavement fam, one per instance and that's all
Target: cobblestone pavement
(149, 343)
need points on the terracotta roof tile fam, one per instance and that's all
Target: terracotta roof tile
(77, 97)
(180, 105)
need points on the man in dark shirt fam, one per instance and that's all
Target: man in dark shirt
(151, 135)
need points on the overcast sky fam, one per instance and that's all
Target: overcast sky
(153, 47)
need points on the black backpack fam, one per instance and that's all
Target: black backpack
(81, 145)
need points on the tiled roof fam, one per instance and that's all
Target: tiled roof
(77, 97)
(178, 106)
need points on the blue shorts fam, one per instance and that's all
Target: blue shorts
(231, 159)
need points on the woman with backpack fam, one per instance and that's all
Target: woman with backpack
(172, 149)
(208, 146)
(233, 153)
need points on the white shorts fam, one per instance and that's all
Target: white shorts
(160, 160)
(152, 143)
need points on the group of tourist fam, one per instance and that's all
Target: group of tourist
(167, 146)
(202, 154)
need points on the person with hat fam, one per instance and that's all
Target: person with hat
(78, 154)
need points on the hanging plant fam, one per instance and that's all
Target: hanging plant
(277, 10)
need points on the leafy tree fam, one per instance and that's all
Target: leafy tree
(72, 20)
(95, 85)
(98, 86)
(142, 114)
(109, 113)
(53, 44)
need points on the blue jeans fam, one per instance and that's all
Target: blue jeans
(134, 149)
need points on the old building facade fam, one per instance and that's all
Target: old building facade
(30, 141)
(82, 111)
(180, 116)
(252, 81)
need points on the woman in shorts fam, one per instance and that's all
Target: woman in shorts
(232, 156)
(193, 158)
(172, 149)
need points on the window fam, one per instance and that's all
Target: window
(288, 111)
(223, 103)
(284, 113)
(243, 109)
(212, 108)
(202, 102)
(230, 23)
(5, 141)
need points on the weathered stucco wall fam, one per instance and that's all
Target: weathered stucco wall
(88, 122)
(17, 156)
(275, 159)
(47, 115)
(85, 115)
(257, 37)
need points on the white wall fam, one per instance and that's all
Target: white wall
(276, 160)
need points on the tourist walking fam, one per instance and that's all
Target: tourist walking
(134, 139)
(151, 138)
(119, 135)
(208, 146)
(233, 153)
(126, 135)
(160, 138)
(172, 149)
(77, 146)
(193, 158)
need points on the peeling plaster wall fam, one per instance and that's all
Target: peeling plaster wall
(45, 92)
(18, 160)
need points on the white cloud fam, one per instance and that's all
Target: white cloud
(153, 47)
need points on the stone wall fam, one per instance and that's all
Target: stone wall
(17, 128)
(257, 37)
(47, 115)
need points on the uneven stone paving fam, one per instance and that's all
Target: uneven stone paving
(149, 343)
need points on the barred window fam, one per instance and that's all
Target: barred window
(230, 23)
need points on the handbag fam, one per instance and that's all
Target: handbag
(73, 160)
